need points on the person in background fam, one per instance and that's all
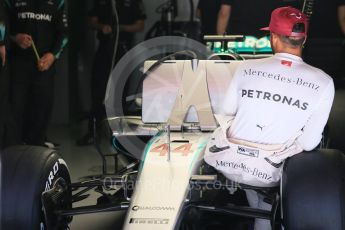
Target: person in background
(131, 19)
(38, 34)
(3, 85)
(2, 36)
(208, 11)
(223, 18)
(243, 17)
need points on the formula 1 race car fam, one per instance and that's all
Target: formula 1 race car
(165, 184)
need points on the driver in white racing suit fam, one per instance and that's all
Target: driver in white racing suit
(274, 100)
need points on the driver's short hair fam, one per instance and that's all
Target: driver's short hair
(294, 41)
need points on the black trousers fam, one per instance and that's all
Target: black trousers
(7, 125)
(31, 98)
(100, 76)
(3, 105)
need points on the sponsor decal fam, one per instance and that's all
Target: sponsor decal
(152, 208)
(34, 16)
(251, 44)
(278, 77)
(20, 4)
(52, 175)
(247, 151)
(156, 221)
(286, 63)
(260, 127)
(245, 168)
(274, 97)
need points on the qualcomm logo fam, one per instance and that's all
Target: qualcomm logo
(31, 15)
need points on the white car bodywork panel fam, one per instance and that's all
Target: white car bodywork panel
(160, 87)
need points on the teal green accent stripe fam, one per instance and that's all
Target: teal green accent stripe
(196, 155)
(64, 43)
(2, 32)
(148, 147)
(61, 4)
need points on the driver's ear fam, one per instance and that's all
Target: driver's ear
(273, 38)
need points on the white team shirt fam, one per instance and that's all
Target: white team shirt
(274, 98)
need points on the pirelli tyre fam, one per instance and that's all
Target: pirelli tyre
(27, 173)
(313, 192)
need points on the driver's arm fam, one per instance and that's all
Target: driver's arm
(198, 9)
(312, 131)
(341, 18)
(223, 18)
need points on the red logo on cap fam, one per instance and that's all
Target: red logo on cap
(299, 16)
(286, 63)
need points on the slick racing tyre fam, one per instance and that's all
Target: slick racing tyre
(27, 173)
(313, 192)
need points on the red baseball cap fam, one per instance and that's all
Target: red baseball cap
(284, 19)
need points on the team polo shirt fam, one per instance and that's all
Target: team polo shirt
(45, 21)
(273, 98)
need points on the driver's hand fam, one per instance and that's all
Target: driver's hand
(46, 61)
(24, 41)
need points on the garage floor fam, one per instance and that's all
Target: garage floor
(84, 161)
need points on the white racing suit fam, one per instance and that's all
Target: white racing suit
(247, 162)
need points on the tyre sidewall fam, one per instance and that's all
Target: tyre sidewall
(27, 172)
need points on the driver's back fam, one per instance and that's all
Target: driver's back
(274, 98)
